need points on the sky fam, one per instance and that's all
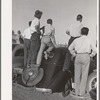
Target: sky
(62, 12)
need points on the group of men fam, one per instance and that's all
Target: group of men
(33, 45)
(79, 47)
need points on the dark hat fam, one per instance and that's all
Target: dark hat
(31, 76)
(38, 13)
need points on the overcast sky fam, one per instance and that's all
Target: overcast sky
(63, 13)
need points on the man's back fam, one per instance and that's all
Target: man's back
(82, 44)
(75, 29)
(27, 33)
(49, 29)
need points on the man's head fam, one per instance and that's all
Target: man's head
(79, 17)
(84, 31)
(49, 21)
(30, 23)
(38, 14)
(19, 32)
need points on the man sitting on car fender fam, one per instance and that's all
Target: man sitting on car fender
(48, 40)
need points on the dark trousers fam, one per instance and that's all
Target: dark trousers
(26, 50)
(67, 62)
(34, 48)
(71, 40)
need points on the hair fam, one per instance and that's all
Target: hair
(49, 21)
(38, 14)
(30, 23)
(19, 32)
(84, 31)
(79, 16)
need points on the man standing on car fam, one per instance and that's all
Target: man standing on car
(81, 49)
(26, 35)
(35, 39)
(74, 32)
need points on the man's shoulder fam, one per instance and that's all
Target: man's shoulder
(82, 38)
(52, 27)
(27, 29)
(35, 20)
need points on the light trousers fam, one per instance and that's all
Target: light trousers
(82, 62)
(45, 42)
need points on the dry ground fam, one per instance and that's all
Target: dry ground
(22, 93)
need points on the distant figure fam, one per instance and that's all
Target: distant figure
(13, 37)
(20, 37)
(75, 29)
(13, 32)
(35, 39)
(47, 41)
(26, 36)
(81, 49)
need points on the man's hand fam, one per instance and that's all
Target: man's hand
(91, 58)
(72, 58)
(67, 32)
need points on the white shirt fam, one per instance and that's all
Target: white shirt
(75, 29)
(35, 22)
(49, 30)
(27, 33)
(82, 45)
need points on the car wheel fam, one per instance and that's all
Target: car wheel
(92, 81)
(18, 51)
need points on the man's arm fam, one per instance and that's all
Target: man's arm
(68, 32)
(94, 50)
(72, 48)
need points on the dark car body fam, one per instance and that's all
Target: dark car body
(54, 77)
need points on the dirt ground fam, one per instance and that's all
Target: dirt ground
(22, 93)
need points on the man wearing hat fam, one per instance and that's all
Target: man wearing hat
(35, 38)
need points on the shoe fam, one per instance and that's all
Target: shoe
(51, 55)
(80, 96)
(28, 66)
(45, 55)
(65, 93)
(72, 92)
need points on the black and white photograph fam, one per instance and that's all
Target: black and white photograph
(54, 50)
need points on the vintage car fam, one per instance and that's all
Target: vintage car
(54, 78)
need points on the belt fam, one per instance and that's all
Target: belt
(46, 35)
(83, 53)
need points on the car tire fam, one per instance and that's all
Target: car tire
(18, 47)
(92, 80)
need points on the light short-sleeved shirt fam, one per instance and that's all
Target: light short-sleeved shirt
(82, 45)
(27, 33)
(49, 30)
(75, 29)
(35, 22)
